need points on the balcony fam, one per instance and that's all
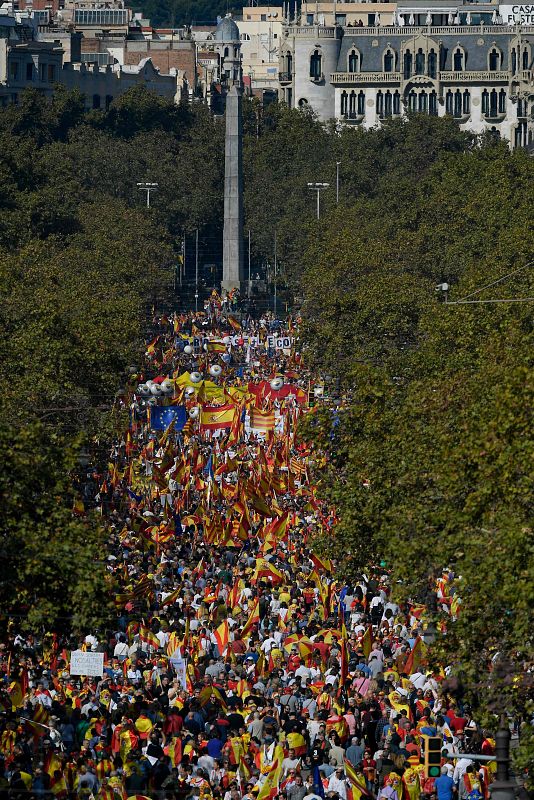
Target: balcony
(444, 30)
(313, 31)
(357, 78)
(495, 76)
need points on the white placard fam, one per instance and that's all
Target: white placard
(180, 667)
(86, 663)
(518, 14)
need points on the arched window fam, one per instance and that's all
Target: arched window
(226, 52)
(449, 103)
(303, 102)
(494, 60)
(389, 61)
(380, 104)
(354, 61)
(352, 105)
(289, 64)
(412, 101)
(432, 64)
(458, 60)
(466, 102)
(423, 102)
(344, 101)
(396, 104)
(502, 102)
(457, 103)
(316, 65)
(485, 102)
(388, 105)
(408, 61)
(361, 104)
(433, 104)
(526, 58)
(420, 62)
(236, 52)
(514, 61)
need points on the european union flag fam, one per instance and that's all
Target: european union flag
(162, 416)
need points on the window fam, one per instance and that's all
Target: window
(226, 52)
(432, 64)
(412, 101)
(303, 102)
(109, 100)
(29, 71)
(389, 61)
(388, 104)
(466, 102)
(51, 73)
(494, 61)
(341, 20)
(457, 103)
(514, 61)
(396, 104)
(493, 103)
(316, 65)
(408, 60)
(14, 70)
(423, 102)
(433, 104)
(485, 101)
(352, 105)
(354, 61)
(420, 62)
(42, 72)
(449, 103)
(309, 19)
(502, 102)
(526, 59)
(96, 101)
(380, 104)
(263, 17)
(458, 61)
(344, 99)
(361, 103)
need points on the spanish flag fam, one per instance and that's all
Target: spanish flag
(356, 781)
(216, 347)
(321, 562)
(216, 418)
(174, 751)
(367, 641)
(415, 657)
(222, 637)
(296, 742)
(146, 636)
(233, 323)
(253, 619)
(261, 420)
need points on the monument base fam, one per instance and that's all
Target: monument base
(227, 286)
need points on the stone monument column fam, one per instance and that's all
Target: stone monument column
(233, 267)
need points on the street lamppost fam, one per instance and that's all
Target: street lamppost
(147, 187)
(338, 164)
(318, 187)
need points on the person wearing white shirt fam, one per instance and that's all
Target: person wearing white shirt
(337, 783)
(303, 672)
(458, 775)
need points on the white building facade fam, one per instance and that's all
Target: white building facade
(478, 72)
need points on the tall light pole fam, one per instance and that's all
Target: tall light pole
(147, 187)
(196, 271)
(249, 276)
(318, 187)
(338, 164)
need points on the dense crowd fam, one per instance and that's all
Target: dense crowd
(239, 665)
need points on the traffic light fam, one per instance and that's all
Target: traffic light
(431, 755)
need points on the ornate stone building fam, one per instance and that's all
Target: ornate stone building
(479, 73)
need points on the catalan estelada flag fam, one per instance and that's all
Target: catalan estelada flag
(216, 418)
(261, 420)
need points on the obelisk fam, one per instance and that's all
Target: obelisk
(233, 268)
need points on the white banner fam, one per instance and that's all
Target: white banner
(86, 663)
(512, 15)
(179, 666)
